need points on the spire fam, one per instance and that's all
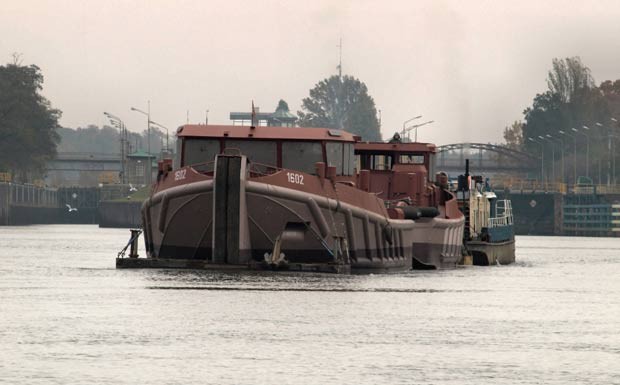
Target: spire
(340, 59)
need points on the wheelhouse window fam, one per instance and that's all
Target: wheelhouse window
(334, 156)
(349, 159)
(411, 159)
(258, 151)
(301, 156)
(199, 150)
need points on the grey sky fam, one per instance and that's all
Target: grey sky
(470, 66)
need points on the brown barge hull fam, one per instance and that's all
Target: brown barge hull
(231, 222)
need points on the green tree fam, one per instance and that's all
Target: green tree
(106, 140)
(572, 101)
(28, 123)
(569, 78)
(513, 135)
(282, 106)
(343, 103)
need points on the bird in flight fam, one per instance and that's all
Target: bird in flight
(71, 208)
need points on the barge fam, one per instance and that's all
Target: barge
(301, 199)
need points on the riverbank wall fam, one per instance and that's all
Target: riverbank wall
(120, 214)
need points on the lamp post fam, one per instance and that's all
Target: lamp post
(407, 121)
(587, 148)
(420, 125)
(148, 136)
(542, 159)
(165, 128)
(613, 151)
(574, 155)
(561, 154)
(118, 123)
(543, 138)
(608, 155)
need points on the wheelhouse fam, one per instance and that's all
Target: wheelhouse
(398, 171)
(396, 156)
(275, 147)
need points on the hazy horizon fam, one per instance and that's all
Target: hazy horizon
(471, 67)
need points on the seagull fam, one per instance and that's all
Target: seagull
(71, 208)
(131, 188)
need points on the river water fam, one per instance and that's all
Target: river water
(67, 316)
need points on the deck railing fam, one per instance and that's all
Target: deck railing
(504, 214)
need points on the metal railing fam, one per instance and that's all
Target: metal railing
(504, 214)
(531, 185)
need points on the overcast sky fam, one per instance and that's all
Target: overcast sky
(472, 66)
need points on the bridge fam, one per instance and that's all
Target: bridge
(486, 159)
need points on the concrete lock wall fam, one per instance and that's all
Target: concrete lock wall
(4, 204)
(120, 214)
(536, 213)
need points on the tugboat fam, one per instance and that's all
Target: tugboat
(261, 197)
(399, 175)
(489, 232)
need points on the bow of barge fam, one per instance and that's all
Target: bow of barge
(242, 197)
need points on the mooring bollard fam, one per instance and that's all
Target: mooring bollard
(133, 250)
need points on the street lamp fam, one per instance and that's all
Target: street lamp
(118, 123)
(407, 121)
(608, 155)
(574, 155)
(419, 125)
(587, 148)
(613, 170)
(561, 153)
(542, 159)
(148, 135)
(552, 156)
(165, 128)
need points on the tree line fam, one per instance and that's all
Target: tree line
(573, 123)
(31, 135)
(28, 122)
(107, 140)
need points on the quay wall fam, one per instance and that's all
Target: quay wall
(535, 213)
(120, 214)
(23, 204)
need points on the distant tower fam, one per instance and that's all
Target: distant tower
(340, 59)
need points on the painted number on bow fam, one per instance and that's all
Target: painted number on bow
(295, 178)
(179, 175)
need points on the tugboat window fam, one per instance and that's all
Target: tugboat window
(411, 159)
(259, 151)
(334, 156)
(349, 159)
(200, 150)
(301, 156)
(381, 162)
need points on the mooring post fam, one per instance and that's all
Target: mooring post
(133, 250)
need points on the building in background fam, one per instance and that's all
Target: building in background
(137, 167)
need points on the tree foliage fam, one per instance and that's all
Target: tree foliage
(282, 106)
(106, 140)
(28, 123)
(568, 78)
(513, 135)
(571, 103)
(343, 103)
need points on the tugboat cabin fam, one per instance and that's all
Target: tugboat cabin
(271, 147)
(398, 171)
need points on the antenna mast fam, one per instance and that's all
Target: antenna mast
(340, 59)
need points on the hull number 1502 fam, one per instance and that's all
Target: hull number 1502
(295, 178)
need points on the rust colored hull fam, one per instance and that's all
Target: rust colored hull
(263, 222)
